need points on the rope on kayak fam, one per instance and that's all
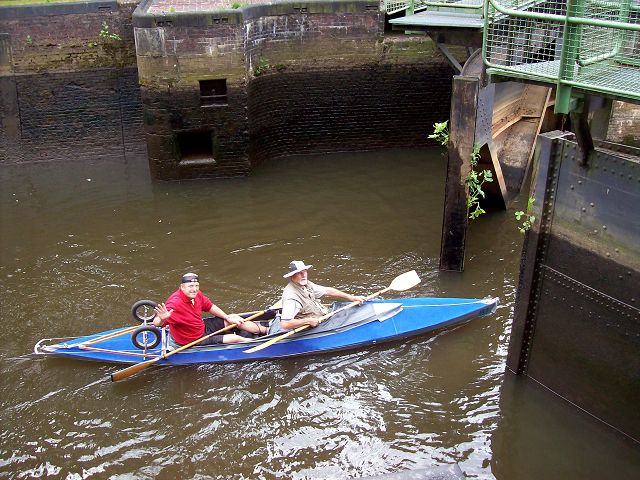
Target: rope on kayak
(484, 301)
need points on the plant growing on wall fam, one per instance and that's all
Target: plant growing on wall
(29, 40)
(527, 218)
(474, 182)
(441, 132)
(236, 5)
(263, 67)
(105, 34)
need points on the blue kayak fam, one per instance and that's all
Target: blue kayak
(372, 323)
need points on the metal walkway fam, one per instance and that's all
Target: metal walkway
(581, 46)
(591, 46)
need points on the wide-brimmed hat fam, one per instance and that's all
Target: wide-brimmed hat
(295, 267)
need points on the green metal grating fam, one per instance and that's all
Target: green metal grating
(394, 6)
(593, 45)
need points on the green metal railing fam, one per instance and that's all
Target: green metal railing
(412, 6)
(591, 45)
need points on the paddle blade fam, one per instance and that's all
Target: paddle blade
(405, 281)
(132, 370)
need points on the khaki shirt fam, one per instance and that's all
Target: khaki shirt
(302, 302)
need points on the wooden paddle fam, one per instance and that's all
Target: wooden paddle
(108, 336)
(133, 369)
(402, 282)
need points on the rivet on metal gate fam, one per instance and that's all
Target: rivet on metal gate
(592, 204)
(595, 231)
(579, 182)
(571, 187)
(583, 209)
(604, 227)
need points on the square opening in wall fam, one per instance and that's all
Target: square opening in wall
(213, 92)
(196, 148)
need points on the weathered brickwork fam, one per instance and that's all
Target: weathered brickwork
(67, 116)
(315, 77)
(50, 39)
(216, 91)
(66, 93)
(346, 110)
(623, 127)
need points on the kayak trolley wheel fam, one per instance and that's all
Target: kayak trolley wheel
(142, 310)
(146, 337)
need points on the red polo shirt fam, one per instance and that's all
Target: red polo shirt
(185, 323)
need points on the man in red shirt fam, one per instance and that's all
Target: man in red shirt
(183, 312)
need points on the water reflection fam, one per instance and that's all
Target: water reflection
(81, 242)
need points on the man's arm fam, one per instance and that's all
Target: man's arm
(290, 309)
(334, 292)
(218, 312)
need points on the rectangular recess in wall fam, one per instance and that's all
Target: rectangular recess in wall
(213, 92)
(196, 147)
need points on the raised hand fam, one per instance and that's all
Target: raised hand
(162, 312)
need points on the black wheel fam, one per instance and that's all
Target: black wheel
(146, 337)
(142, 310)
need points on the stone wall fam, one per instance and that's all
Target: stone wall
(68, 36)
(299, 77)
(623, 126)
(188, 137)
(346, 110)
(66, 91)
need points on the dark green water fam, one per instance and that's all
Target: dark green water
(81, 242)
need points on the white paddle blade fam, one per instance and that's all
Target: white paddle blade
(405, 281)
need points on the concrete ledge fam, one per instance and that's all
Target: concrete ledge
(143, 19)
(88, 6)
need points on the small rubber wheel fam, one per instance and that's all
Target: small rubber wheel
(146, 337)
(142, 310)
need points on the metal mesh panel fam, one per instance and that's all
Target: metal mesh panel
(393, 6)
(590, 44)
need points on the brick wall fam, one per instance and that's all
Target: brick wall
(382, 106)
(65, 92)
(321, 77)
(67, 116)
(314, 78)
(67, 36)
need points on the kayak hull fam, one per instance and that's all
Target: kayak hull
(401, 318)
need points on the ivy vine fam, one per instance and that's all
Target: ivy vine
(474, 182)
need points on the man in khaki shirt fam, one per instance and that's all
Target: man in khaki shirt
(301, 299)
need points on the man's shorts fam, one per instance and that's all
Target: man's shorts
(213, 325)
